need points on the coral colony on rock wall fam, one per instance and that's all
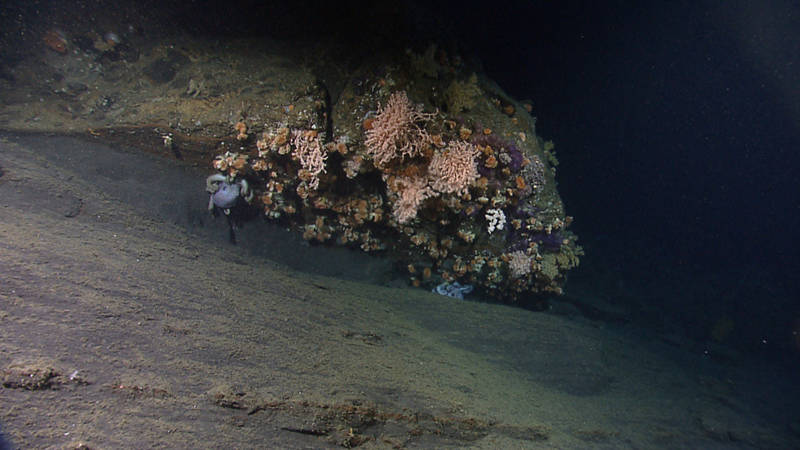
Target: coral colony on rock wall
(440, 171)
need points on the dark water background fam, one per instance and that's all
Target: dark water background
(678, 125)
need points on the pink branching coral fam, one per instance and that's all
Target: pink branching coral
(453, 169)
(411, 192)
(311, 154)
(396, 130)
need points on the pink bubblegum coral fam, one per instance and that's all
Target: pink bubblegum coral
(411, 192)
(395, 131)
(311, 154)
(454, 169)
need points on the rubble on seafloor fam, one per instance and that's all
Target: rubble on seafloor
(431, 165)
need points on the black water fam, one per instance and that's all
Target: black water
(677, 126)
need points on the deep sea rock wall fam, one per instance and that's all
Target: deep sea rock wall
(411, 154)
(422, 160)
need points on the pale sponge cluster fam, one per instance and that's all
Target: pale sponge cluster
(519, 264)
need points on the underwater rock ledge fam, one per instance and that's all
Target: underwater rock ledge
(415, 155)
(420, 160)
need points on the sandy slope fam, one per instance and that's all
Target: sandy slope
(127, 320)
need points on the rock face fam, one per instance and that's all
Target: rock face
(413, 155)
(424, 161)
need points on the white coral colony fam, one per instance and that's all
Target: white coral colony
(496, 218)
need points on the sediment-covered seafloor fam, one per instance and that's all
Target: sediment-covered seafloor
(126, 323)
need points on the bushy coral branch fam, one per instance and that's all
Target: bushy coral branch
(311, 154)
(411, 192)
(454, 169)
(396, 131)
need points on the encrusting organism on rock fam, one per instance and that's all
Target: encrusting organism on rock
(241, 129)
(519, 264)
